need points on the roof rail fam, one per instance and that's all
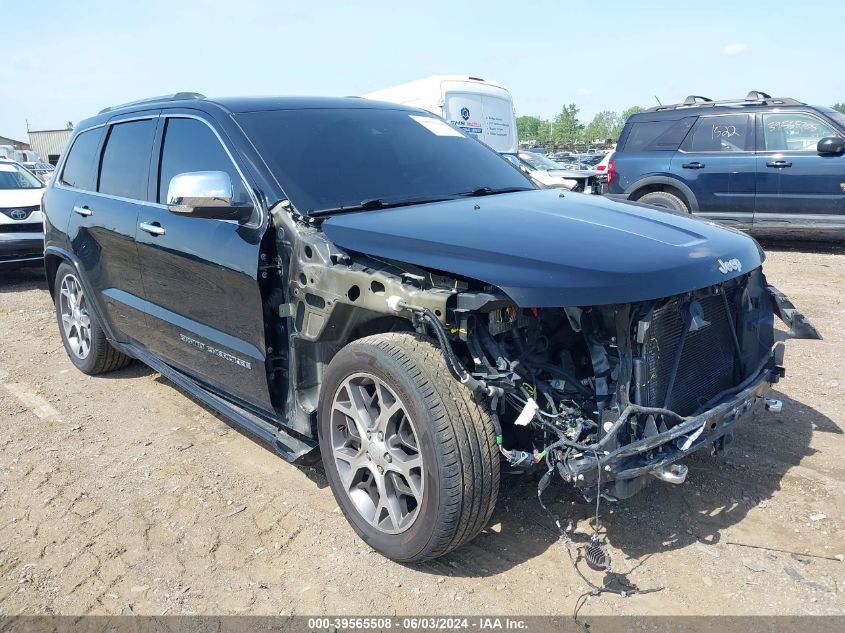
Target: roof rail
(179, 96)
(755, 97)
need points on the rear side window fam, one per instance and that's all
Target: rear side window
(81, 164)
(126, 159)
(726, 133)
(190, 145)
(647, 136)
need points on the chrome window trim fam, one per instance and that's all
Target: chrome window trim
(59, 184)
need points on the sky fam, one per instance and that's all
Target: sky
(64, 61)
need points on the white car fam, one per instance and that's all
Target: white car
(551, 174)
(21, 221)
(602, 166)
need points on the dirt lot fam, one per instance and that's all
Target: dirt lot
(120, 490)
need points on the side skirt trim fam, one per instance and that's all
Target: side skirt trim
(293, 449)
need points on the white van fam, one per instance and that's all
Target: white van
(476, 106)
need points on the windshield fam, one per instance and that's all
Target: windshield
(538, 161)
(16, 177)
(333, 158)
(835, 115)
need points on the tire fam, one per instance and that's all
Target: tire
(89, 351)
(664, 200)
(450, 497)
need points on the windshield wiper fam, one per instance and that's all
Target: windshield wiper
(489, 191)
(372, 204)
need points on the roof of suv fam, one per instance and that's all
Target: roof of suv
(195, 100)
(694, 105)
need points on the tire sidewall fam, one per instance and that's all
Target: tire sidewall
(86, 365)
(666, 201)
(355, 359)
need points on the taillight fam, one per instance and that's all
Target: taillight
(601, 167)
(611, 171)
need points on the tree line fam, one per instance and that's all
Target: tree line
(565, 129)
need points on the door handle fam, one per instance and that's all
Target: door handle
(83, 211)
(152, 228)
(779, 164)
(694, 165)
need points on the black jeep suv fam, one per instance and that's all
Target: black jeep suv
(772, 165)
(363, 277)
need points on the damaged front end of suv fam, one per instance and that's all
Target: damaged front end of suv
(618, 390)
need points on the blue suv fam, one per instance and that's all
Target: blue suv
(773, 165)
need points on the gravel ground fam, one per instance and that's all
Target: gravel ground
(120, 490)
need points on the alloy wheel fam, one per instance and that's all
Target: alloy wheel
(76, 321)
(376, 452)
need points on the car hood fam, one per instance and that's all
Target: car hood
(20, 197)
(546, 249)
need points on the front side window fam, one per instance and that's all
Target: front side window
(126, 159)
(326, 158)
(190, 145)
(80, 168)
(726, 133)
(794, 132)
(16, 177)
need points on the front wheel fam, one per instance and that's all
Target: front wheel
(409, 454)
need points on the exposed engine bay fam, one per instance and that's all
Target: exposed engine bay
(616, 393)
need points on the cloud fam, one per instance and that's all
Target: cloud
(584, 92)
(737, 48)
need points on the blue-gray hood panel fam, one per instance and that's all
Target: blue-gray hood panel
(545, 250)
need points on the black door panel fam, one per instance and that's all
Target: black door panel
(102, 224)
(204, 307)
(104, 243)
(203, 301)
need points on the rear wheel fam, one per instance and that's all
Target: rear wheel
(409, 454)
(664, 200)
(83, 338)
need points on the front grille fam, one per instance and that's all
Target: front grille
(707, 364)
(20, 213)
(24, 227)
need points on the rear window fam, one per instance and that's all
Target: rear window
(81, 163)
(126, 159)
(647, 136)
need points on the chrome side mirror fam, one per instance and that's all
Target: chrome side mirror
(205, 194)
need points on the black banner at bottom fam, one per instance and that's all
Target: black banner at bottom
(390, 624)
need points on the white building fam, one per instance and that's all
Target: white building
(49, 144)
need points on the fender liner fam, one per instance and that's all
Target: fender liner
(666, 180)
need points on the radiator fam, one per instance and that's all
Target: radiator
(707, 364)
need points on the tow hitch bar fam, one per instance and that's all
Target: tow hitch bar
(774, 406)
(672, 474)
